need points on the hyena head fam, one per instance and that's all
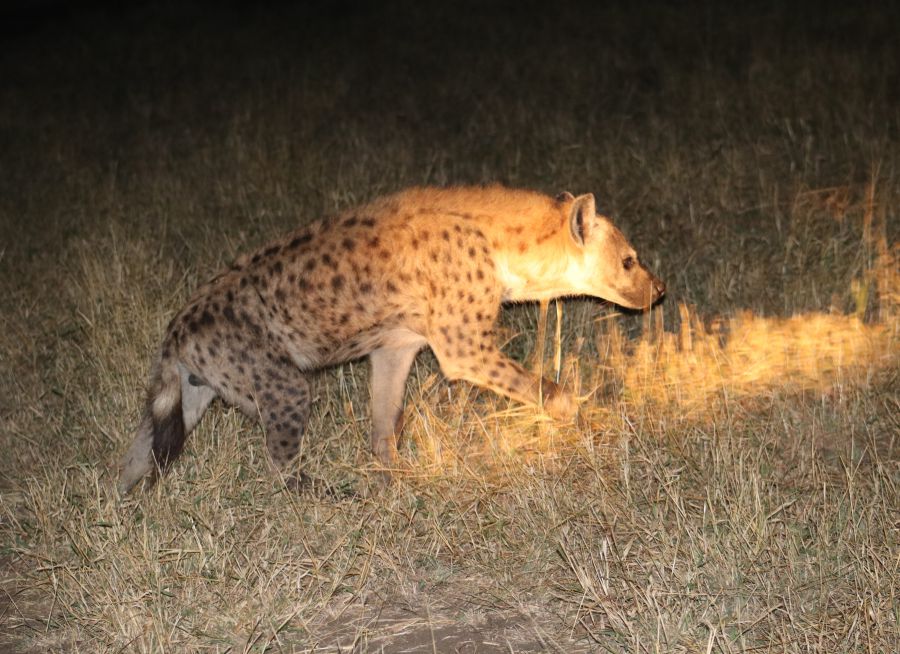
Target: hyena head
(602, 262)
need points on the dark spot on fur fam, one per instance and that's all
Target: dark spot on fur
(327, 260)
(365, 287)
(374, 242)
(337, 282)
(256, 329)
(349, 244)
(350, 222)
(391, 287)
(269, 251)
(297, 241)
(280, 295)
(367, 222)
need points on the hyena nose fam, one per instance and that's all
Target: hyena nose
(660, 287)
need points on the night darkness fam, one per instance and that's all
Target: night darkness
(730, 481)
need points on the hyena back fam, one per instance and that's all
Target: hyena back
(426, 266)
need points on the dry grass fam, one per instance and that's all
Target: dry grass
(732, 483)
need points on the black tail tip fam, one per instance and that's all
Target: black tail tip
(168, 436)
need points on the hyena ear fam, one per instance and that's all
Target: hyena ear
(582, 217)
(565, 196)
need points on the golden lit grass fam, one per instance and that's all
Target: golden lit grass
(732, 481)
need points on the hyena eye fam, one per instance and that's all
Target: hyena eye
(628, 263)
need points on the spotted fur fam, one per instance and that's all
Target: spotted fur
(426, 266)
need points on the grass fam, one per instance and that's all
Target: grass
(732, 482)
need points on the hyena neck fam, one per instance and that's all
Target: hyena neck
(528, 279)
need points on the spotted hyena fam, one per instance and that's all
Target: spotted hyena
(427, 266)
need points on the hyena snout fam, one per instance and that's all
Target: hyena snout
(658, 286)
(645, 290)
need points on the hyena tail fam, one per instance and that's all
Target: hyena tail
(161, 433)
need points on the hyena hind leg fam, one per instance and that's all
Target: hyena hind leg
(282, 401)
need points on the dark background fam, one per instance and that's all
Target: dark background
(694, 123)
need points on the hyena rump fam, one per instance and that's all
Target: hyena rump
(426, 266)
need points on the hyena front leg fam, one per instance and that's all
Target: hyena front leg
(479, 360)
(390, 368)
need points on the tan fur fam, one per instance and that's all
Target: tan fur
(426, 266)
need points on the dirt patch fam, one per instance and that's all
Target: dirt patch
(430, 627)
